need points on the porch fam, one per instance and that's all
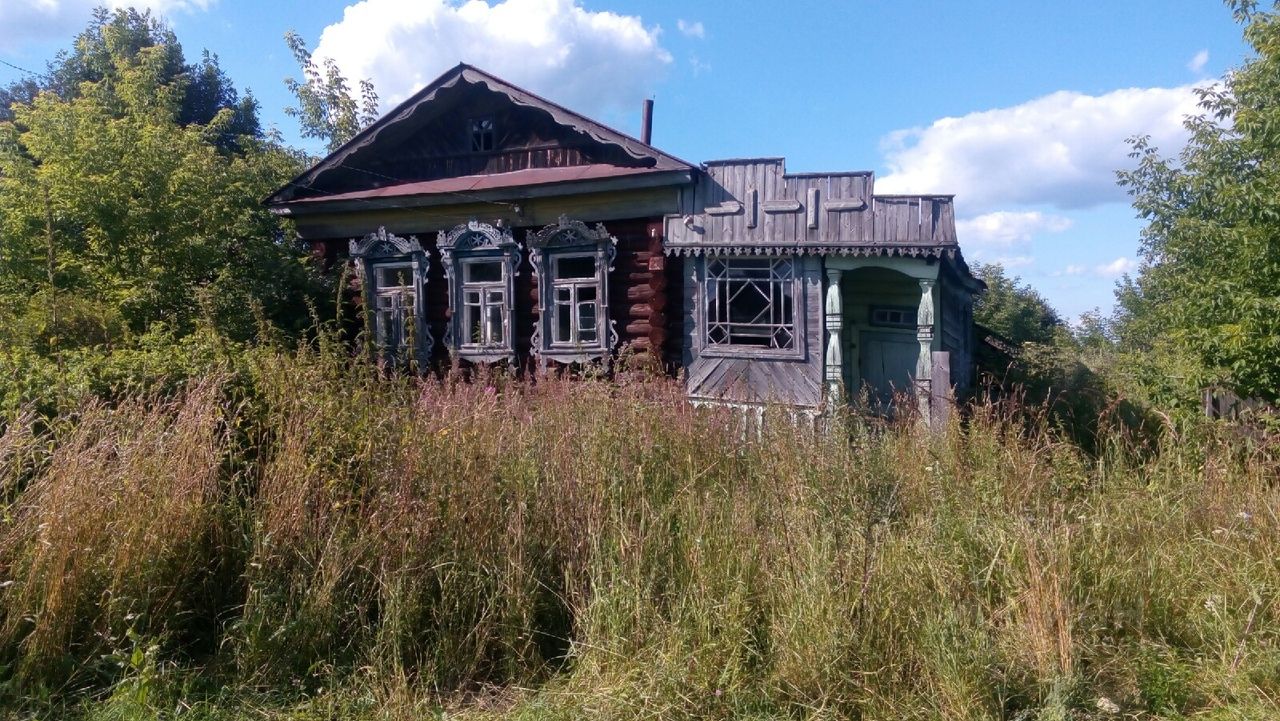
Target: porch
(882, 330)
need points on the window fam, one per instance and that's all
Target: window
(571, 263)
(394, 293)
(750, 303)
(893, 316)
(484, 303)
(482, 136)
(480, 262)
(576, 308)
(393, 271)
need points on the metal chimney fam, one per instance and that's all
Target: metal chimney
(646, 122)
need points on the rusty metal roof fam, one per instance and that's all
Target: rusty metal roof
(496, 181)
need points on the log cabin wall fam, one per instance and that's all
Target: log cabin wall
(638, 299)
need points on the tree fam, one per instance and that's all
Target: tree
(1013, 309)
(1207, 295)
(326, 108)
(122, 35)
(124, 203)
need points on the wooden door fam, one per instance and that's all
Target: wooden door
(887, 363)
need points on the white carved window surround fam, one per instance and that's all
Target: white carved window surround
(393, 271)
(480, 263)
(751, 307)
(571, 263)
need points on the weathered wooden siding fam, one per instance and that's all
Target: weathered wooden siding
(755, 206)
(956, 321)
(753, 379)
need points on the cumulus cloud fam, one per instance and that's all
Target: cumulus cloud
(1060, 150)
(1117, 267)
(31, 21)
(1197, 63)
(594, 62)
(691, 29)
(1006, 229)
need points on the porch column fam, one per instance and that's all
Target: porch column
(924, 334)
(833, 319)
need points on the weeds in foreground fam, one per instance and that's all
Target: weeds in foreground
(335, 543)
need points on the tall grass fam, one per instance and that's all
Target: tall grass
(320, 540)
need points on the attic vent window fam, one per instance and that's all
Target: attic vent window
(482, 136)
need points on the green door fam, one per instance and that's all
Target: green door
(887, 361)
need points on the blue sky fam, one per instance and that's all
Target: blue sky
(1019, 109)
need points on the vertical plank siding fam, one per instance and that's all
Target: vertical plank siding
(754, 206)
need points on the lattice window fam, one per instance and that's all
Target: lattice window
(750, 302)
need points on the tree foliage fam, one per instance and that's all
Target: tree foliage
(1013, 309)
(326, 108)
(1206, 302)
(130, 189)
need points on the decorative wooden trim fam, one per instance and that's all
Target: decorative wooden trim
(468, 241)
(840, 205)
(728, 207)
(571, 236)
(753, 203)
(379, 248)
(823, 249)
(813, 208)
(780, 206)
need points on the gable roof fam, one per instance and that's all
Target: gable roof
(403, 113)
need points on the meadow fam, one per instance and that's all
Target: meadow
(298, 536)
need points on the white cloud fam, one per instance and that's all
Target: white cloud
(1073, 269)
(31, 21)
(1197, 63)
(1009, 262)
(590, 61)
(692, 29)
(1060, 150)
(1006, 229)
(1117, 267)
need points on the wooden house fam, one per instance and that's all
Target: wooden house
(490, 225)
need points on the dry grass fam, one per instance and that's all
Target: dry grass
(339, 544)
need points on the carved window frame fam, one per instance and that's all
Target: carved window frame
(565, 240)
(379, 251)
(791, 284)
(471, 243)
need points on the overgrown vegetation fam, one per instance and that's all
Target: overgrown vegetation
(302, 538)
(209, 508)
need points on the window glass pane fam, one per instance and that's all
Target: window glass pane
(493, 329)
(483, 272)
(579, 267)
(587, 292)
(587, 322)
(564, 323)
(393, 276)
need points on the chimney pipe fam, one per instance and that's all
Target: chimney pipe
(646, 122)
